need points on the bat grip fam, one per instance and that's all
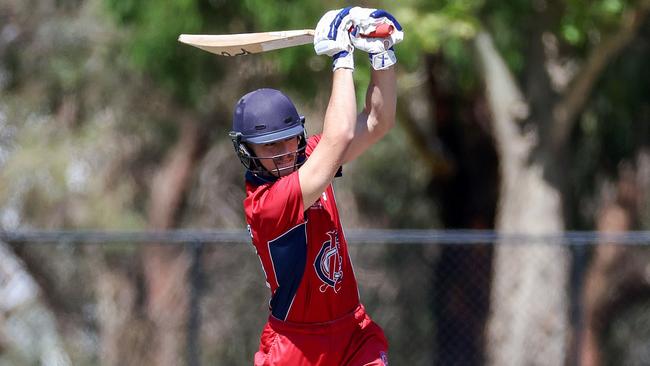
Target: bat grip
(382, 31)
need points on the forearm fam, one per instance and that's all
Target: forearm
(338, 131)
(340, 116)
(381, 99)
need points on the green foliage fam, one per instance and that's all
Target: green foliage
(579, 24)
(430, 26)
(614, 126)
(508, 26)
(584, 19)
(300, 69)
(152, 33)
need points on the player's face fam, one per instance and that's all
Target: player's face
(278, 157)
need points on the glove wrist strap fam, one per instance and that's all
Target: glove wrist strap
(382, 60)
(343, 59)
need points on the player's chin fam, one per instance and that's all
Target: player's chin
(285, 169)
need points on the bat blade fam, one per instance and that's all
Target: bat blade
(248, 43)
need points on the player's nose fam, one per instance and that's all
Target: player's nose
(282, 148)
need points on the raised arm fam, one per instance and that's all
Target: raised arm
(331, 38)
(378, 116)
(345, 135)
(338, 130)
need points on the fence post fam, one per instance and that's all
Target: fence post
(194, 321)
(579, 268)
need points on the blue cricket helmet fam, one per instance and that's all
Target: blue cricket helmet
(264, 116)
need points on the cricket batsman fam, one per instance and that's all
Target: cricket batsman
(316, 317)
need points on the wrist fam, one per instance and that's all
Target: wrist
(382, 60)
(343, 59)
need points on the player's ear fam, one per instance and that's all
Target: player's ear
(248, 149)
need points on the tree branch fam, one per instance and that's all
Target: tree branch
(505, 100)
(170, 185)
(166, 267)
(576, 96)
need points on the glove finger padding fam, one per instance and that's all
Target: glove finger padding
(380, 50)
(366, 17)
(332, 37)
(372, 44)
(367, 25)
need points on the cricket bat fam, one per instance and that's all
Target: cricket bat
(249, 43)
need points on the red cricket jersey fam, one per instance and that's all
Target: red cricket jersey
(304, 255)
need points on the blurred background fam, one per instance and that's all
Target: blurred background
(518, 117)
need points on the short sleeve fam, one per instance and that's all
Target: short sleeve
(311, 144)
(276, 208)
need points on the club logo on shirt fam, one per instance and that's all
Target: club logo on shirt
(329, 263)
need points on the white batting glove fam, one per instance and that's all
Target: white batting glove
(332, 38)
(380, 50)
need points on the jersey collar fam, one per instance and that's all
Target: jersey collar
(256, 180)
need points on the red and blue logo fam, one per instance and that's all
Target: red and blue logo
(329, 263)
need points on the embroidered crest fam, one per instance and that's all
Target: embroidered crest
(329, 263)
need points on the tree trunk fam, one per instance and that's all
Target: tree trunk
(612, 273)
(462, 275)
(166, 267)
(612, 218)
(29, 332)
(124, 334)
(143, 311)
(529, 320)
(529, 317)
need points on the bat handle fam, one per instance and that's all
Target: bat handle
(382, 31)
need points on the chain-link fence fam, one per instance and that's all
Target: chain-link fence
(198, 297)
